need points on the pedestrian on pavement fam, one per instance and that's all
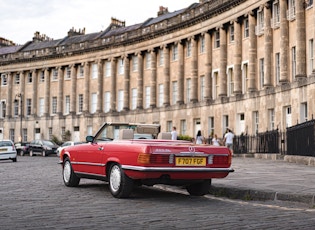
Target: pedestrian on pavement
(215, 140)
(228, 139)
(174, 133)
(199, 137)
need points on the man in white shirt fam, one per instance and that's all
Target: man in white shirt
(174, 133)
(228, 140)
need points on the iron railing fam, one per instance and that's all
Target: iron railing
(301, 140)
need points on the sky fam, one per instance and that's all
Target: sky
(20, 19)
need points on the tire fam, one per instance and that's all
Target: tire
(120, 185)
(14, 159)
(199, 189)
(70, 179)
(31, 153)
(22, 153)
(44, 153)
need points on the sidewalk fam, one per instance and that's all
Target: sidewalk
(261, 179)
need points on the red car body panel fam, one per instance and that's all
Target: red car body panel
(94, 159)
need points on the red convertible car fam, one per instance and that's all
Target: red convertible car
(127, 155)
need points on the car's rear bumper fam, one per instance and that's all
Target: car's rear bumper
(7, 155)
(177, 169)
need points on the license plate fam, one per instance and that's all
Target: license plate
(3, 150)
(190, 161)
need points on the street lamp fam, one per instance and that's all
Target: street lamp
(20, 95)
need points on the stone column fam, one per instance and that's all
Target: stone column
(73, 97)
(9, 93)
(194, 70)
(268, 45)
(153, 79)
(47, 92)
(252, 51)
(208, 73)
(237, 57)
(223, 63)
(284, 42)
(100, 94)
(86, 98)
(140, 81)
(35, 90)
(113, 91)
(181, 73)
(167, 80)
(126, 83)
(60, 90)
(22, 91)
(300, 40)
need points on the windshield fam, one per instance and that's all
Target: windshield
(111, 132)
(48, 143)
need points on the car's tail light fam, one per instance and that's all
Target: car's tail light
(160, 159)
(144, 158)
(220, 160)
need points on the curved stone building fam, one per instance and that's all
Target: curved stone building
(243, 64)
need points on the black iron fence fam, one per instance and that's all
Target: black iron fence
(267, 142)
(297, 140)
(300, 139)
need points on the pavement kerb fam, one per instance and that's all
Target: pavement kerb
(252, 194)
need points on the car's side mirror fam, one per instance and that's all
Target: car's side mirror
(89, 138)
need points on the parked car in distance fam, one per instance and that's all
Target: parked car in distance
(42, 147)
(22, 148)
(66, 144)
(116, 156)
(7, 150)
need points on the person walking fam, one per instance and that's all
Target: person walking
(199, 137)
(174, 133)
(228, 139)
(215, 140)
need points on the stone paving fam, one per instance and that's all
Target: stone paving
(268, 179)
(33, 197)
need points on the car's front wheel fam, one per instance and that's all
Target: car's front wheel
(199, 189)
(44, 153)
(31, 153)
(70, 179)
(120, 185)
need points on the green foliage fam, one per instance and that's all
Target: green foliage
(56, 140)
(67, 136)
(184, 137)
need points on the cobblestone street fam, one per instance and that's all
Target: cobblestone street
(33, 196)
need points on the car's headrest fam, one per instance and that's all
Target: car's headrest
(125, 134)
(165, 136)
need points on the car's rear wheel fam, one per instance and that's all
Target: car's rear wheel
(199, 189)
(70, 179)
(120, 185)
(14, 159)
(31, 153)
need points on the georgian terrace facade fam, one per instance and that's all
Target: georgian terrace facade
(244, 64)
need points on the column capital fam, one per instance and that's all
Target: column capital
(178, 42)
(164, 46)
(267, 5)
(193, 37)
(139, 53)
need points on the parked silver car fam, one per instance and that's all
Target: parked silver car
(7, 150)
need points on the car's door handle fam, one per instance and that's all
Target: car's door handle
(100, 148)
